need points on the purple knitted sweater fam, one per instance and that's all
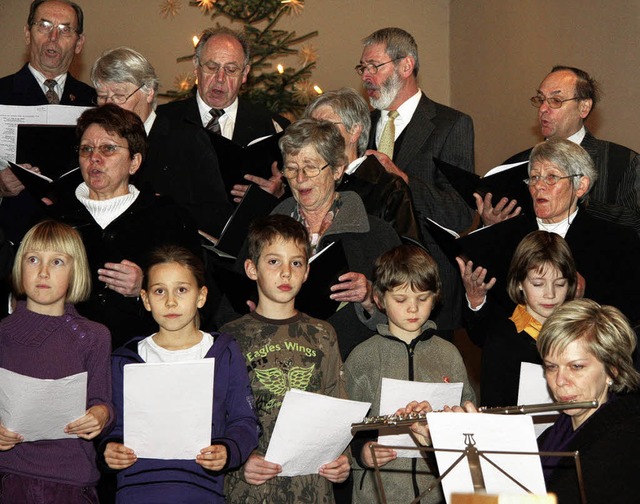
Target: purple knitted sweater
(44, 346)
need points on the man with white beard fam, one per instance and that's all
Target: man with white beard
(407, 131)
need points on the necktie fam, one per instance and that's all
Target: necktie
(388, 136)
(52, 96)
(214, 124)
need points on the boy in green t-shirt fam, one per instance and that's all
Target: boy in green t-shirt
(284, 349)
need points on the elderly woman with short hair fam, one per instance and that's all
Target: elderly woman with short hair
(124, 77)
(561, 173)
(314, 161)
(180, 162)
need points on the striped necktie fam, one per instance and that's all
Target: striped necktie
(214, 124)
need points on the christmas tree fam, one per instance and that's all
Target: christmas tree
(285, 90)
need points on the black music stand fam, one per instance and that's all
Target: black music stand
(473, 456)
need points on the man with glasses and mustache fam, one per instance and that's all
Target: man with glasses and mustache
(408, 130)
(564, 100)
(222, 63)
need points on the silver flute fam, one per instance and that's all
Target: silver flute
(382, 421)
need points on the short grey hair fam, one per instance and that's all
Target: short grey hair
(350, 107)
(569, 157)
(124, 64)
(228, 32)
(323, 136)
(398, 43)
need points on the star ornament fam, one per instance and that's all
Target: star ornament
(170, 8)
(205, 5)
(293, 6)
(307, 54)
(304, 92)
(184, 82)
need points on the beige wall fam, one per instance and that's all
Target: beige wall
(341, 25)
(502, 49)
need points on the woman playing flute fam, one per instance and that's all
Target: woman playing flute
(586, 349)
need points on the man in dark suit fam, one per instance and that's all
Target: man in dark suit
(222, 62)
(423, 129)
(564, 99)
(54, 35)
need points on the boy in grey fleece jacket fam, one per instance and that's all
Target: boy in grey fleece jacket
(406, 286)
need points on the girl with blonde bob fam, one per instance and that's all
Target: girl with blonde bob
(45, 338)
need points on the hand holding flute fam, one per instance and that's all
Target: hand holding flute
(421, 429)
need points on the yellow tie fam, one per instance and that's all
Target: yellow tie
(388, 136)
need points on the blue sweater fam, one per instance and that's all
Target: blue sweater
(234, 424)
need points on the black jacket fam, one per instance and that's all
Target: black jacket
(22, 88)
(609, 446)
(181, 164)
(384, 195)
(149, 222)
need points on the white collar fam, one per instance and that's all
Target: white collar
(353, 165)
(104, 212)
(148, 124)
(561, 228)
(230, 112)
(405, 113)
(578, 136)
(406, 109)
(39, 76)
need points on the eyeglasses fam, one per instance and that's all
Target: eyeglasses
(45, 27)
(553, 102)
(105, 150)
(309, 171)
(548, 179)
(118, 99)
(371, 68)
(213, 69)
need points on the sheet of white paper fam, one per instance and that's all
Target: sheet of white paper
(40, 409)
(312, 430)
(490, 433)
(533, 390)
(168, 408)
(504, 167)
(397, 394)
(12, 115)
